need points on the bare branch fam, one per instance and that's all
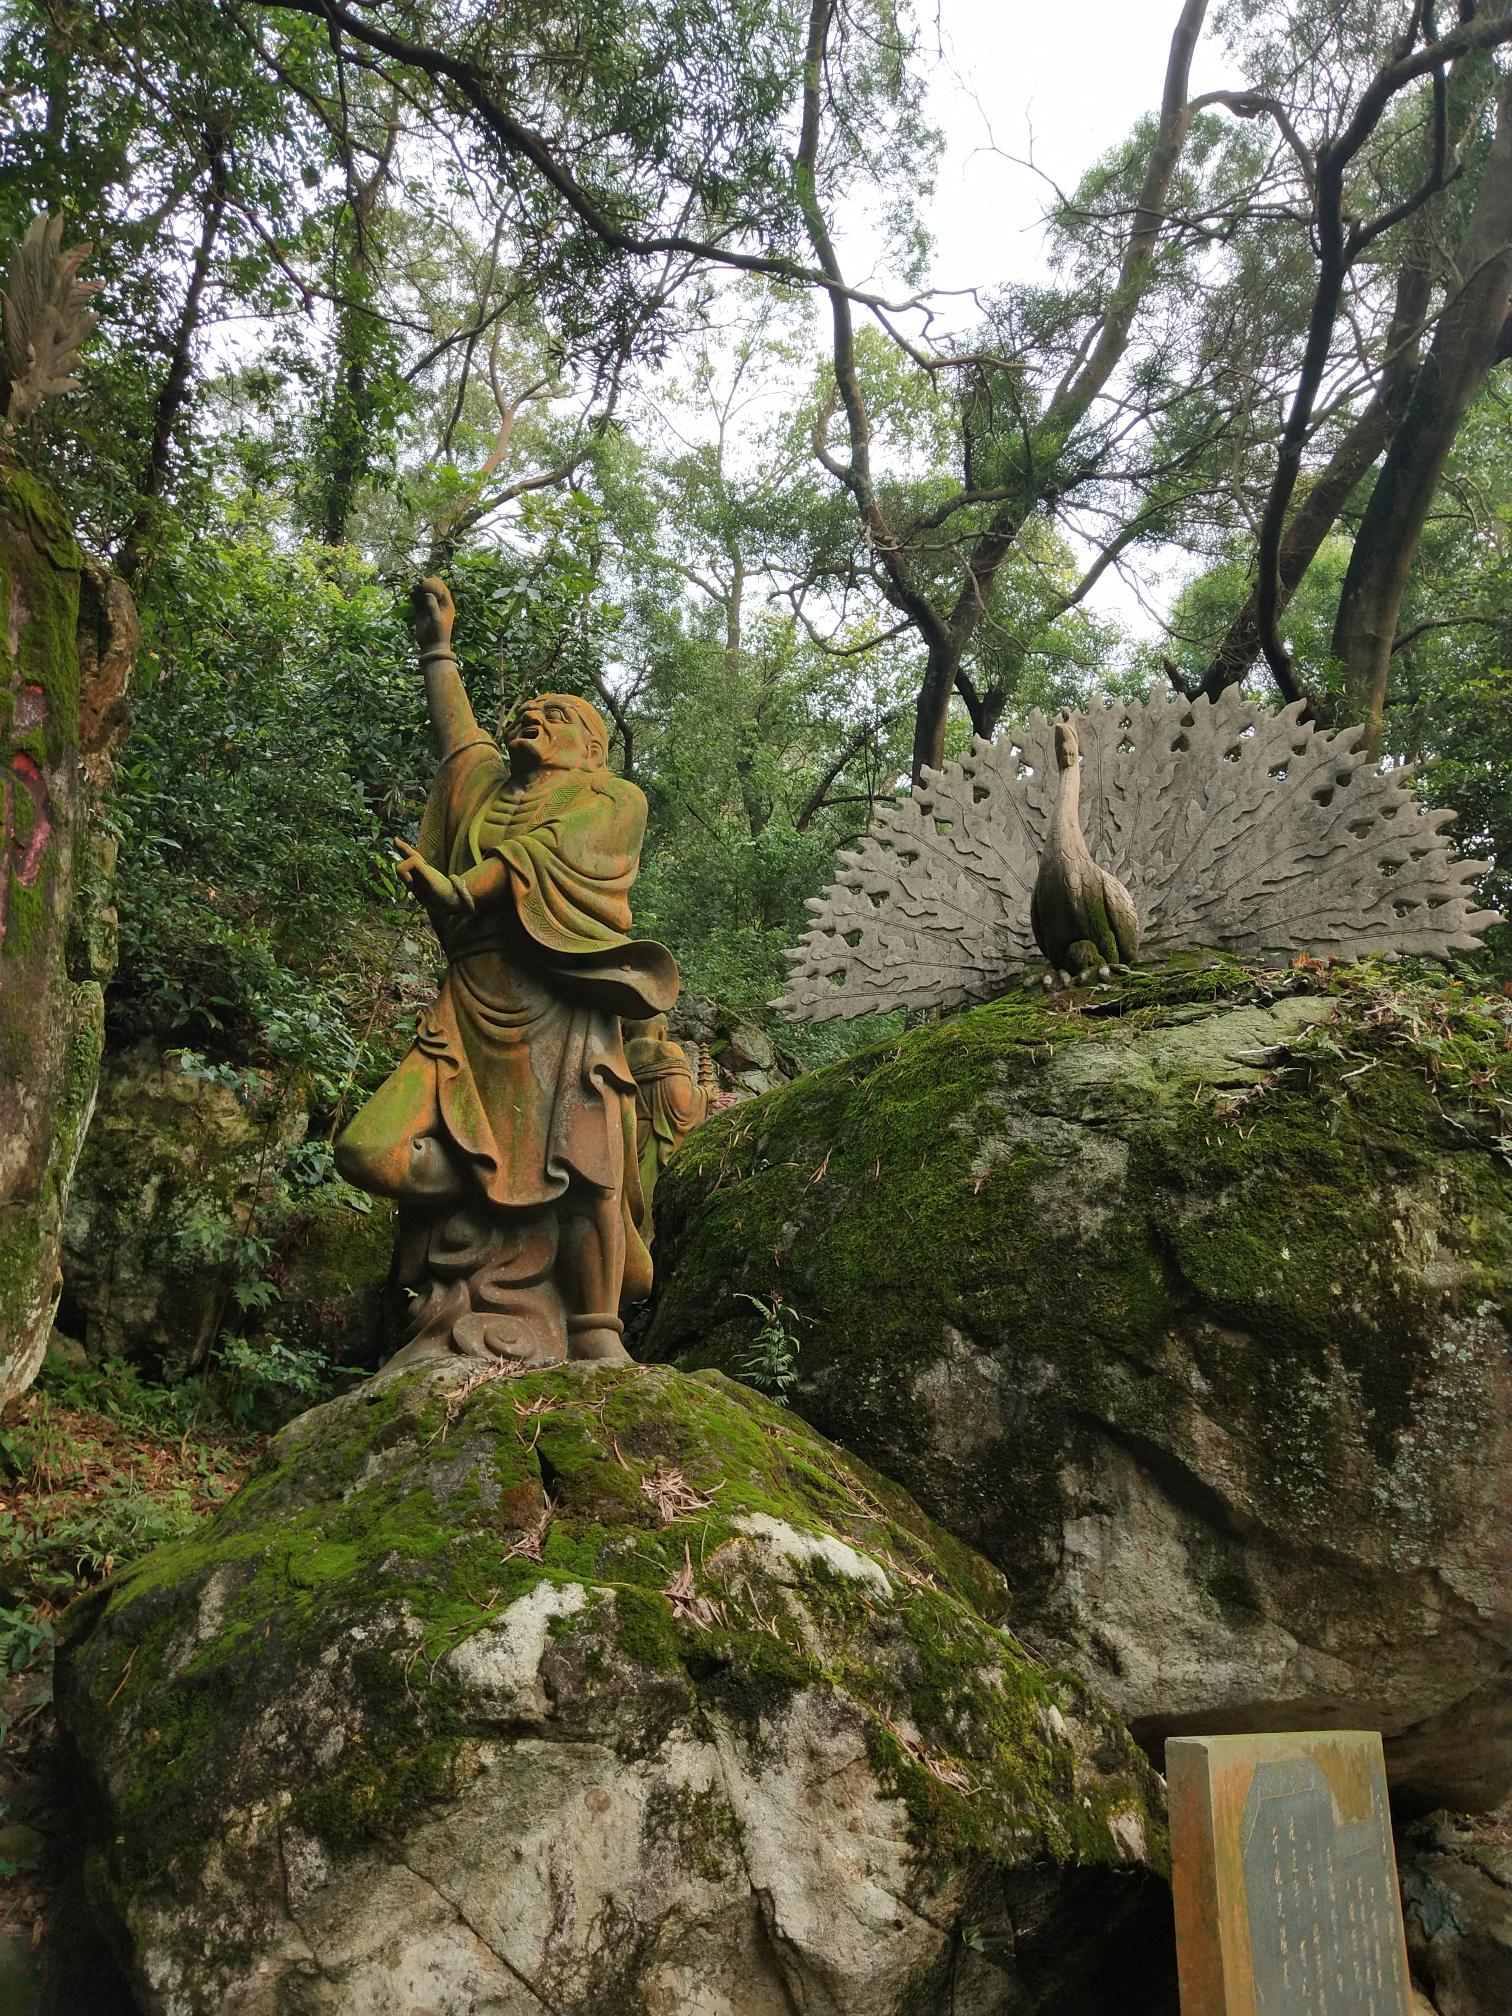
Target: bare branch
(819, 797)
(1416, 630)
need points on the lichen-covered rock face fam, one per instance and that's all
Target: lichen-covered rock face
(590, 1690)
(1185, 1302)
(68, 637)
(175, 1171)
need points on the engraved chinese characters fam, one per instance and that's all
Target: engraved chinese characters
(1284, 1876)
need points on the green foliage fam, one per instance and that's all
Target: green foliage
(120, 1394)
(120, 1526)
(277, 740)
(26, 1640)
(265, 1382)
(98, 1466)
(770, 1359)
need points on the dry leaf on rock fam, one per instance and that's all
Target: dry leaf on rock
(688, 1607)
(673, 1496)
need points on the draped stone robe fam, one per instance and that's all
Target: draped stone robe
(518, 1068)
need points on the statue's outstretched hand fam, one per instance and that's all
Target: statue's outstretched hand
(435, 890)
(435, 612)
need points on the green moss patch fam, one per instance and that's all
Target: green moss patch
(296, 1649)
(1257, 1184)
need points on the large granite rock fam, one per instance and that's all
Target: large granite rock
(68, 638)
(596, 1690)
(1186, 1304)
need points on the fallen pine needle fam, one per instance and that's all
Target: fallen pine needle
(688, 1607)
(533, 1539)
(673, 1496)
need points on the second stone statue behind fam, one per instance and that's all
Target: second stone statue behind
(507, 1136)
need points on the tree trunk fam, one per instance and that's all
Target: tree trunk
(985, 709)
(175, 392)
(1466, 343)
(622, 723)
(1319, 510)
(349, 418)
(941, 669)
(348, 428)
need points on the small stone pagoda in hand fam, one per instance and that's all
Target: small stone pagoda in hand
(507, 1135)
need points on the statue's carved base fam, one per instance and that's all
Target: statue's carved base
(489, 1291)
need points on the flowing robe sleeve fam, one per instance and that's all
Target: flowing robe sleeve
(570, 873)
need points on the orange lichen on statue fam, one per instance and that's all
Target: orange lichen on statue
(668, 1102)
(507, 1134)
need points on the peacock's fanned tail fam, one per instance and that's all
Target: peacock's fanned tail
(1230, 826)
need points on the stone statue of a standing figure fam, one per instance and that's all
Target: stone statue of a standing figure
(668, 1104)
(507, 1134)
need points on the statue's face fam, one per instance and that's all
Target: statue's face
(548, 736)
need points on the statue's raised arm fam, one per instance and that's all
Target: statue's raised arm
(452, 720)
(507, 1135)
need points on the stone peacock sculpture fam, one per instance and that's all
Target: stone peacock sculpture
(1219, 823)
(44, 321)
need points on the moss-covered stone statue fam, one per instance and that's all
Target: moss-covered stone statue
(507, 1134)
(668, 1102)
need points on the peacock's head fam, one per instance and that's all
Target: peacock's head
(1067, 748)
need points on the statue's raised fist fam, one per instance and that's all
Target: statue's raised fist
(435, 612)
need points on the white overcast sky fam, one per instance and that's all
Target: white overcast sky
(1016, 82)
(1056, 83)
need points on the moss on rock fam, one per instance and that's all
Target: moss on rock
(50, 1007)
(177, 1170)
(448, 1578)
(1206, 1251)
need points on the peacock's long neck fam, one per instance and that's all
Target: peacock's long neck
(1068, 832)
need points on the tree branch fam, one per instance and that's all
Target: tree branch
(1337, 251)
(817, 798)
(525, 144)
(1416, 630)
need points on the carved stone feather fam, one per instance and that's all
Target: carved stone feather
(1229, 826)
(46, 317)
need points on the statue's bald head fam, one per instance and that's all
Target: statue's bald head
(555, 731)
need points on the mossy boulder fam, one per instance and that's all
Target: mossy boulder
(180, 1180)
(68, 637)
(1183, 1299)
(593, 1690)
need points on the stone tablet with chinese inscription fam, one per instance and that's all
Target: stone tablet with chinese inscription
(1284, 1876)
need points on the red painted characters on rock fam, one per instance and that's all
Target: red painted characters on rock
(25, 802)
